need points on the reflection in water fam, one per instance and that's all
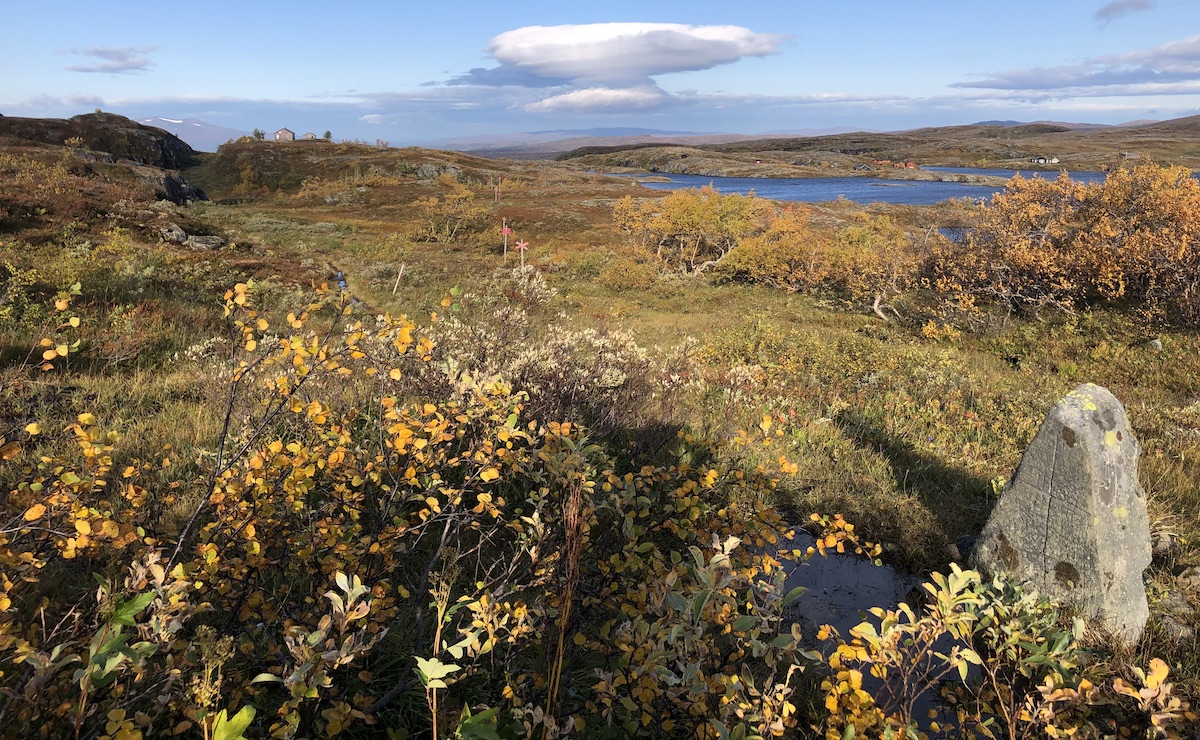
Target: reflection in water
(841, 588)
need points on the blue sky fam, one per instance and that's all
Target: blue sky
(422, 72)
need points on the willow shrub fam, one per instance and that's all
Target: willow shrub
(1133, 239)
(360, 552)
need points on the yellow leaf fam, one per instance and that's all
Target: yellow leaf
(49, 354)
(62, 303)
(87, 419)
(83, 526)
(33, 429)
(74, 321)
(489, 474)
(1158, 674)
(395, 374)
(110, 529)
(35, 512)
(250, 345)
(9, 451)
(61, 349)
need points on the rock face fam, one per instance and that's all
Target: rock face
(107, 132)
(1072, 521)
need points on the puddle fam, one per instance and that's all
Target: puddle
(842, 587)
(841, 590)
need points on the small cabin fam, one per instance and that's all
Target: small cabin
(310, 136)
(285, 134)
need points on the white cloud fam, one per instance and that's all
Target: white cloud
(610, 66)
(616, 53)
(601, 100)
(115, 60)
(373, 118)
(1176, 63)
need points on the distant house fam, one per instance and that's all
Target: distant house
(309, 136)
(1130, 155)
(1044, 160)
(285, 134)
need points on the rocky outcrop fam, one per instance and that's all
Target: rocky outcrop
(1072, 522)
(170, 185)
(107, 133)
(204, 243)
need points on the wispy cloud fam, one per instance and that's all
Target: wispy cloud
(611, 65)
(115, 60)
(1157, 69)
(1118, 8)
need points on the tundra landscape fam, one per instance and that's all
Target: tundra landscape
(581, 434)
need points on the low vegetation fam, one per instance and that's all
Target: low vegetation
(466, 498)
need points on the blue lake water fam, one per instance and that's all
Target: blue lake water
(858, 189)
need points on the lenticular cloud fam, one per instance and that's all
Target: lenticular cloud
(616, 53)
(611, 65)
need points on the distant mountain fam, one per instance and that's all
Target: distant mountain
(204, 137)
(814, 131)
(549, 144)
(1066, 124)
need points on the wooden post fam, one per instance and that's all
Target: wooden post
(399, 275)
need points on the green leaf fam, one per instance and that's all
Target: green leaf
(794, 594)
(722, 730)
(745, 622)
(125, 613)
(225, 728)
(481, 726)
(698, 603)
(782, 641)
(677, 602)
(434, 669)
(848, 733)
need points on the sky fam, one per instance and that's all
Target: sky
(420, 72)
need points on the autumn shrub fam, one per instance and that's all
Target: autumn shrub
(870, 260)
(356, 538)
(628, 274)
(790, 254)
(1061, 245)
(451, 216)
(690, 230)
(985, 659)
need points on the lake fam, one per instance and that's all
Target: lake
(858, 189)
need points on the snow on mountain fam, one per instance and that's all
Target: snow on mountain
(204, 137)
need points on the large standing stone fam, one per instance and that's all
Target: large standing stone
(1072, 521)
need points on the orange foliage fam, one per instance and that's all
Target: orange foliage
(1134, 238)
